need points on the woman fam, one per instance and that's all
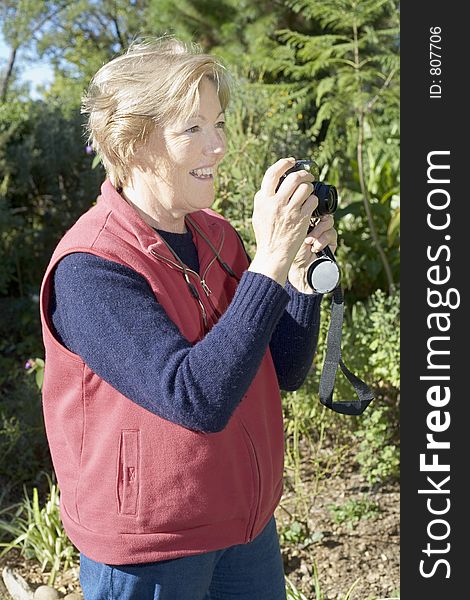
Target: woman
(166, 348)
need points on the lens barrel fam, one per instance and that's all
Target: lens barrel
(327, 199)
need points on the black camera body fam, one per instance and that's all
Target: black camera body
(323, 275)
(327, 194)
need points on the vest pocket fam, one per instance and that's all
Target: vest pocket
(128, 472)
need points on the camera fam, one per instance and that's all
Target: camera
(327, 194)
(323, 275)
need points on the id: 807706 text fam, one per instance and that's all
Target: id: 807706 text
(435, 63)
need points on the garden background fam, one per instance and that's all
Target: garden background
(312, 79)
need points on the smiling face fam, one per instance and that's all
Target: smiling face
(178, 165)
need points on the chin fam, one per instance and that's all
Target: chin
(205, 202)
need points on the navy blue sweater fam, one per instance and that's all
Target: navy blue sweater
(107, 314)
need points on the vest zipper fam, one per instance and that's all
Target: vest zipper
(194, 293)
(201, 280)
(258, 480)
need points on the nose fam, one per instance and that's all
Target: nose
(215, 143)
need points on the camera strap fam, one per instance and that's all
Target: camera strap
(333, 360)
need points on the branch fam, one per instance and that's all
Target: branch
(385, 84)
(114, 18)
(7, 77)
(49, 16)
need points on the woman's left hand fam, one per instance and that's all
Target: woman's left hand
(323, 234)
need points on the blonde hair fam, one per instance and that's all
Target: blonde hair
(154, 83)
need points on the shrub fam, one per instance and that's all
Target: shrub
(23, 446)
(378, 453)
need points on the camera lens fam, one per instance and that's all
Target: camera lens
(327, 199)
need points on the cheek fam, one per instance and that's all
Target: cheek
(179, 150)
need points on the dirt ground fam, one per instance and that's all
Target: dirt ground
(367, 551)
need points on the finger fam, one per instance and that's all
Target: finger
(329, 238)
(274, 173)
(326, 222)
(290, 184)
(300, 195)
(309, 206)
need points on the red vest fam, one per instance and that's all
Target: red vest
(136, 487)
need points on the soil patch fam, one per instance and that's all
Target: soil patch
(363, 549)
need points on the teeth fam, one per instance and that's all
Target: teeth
(206, 172)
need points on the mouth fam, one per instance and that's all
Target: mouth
(203, 174)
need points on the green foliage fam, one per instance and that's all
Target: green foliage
(36, 366)
(383, 337)
(206, 20)
(370, 344)
(10, 433)
(352, 511)
(350, 67)
(46, 182)
(37, 531)
(297, 534)
(378, 453)
(240, 32)
(23, 447)
(22, 19)
(85, 35)
(317, 440)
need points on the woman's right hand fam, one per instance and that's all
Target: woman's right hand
(281, 219)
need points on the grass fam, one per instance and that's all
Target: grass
(38, 533)
(294, 594)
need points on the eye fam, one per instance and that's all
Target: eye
(220, 125)
(192, 129)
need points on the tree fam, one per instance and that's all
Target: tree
(352, 69)
(22, 23)
(87, 34)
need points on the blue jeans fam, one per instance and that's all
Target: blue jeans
(252, 571)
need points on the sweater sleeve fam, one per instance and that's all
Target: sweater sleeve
(107, 314)
(294, 341)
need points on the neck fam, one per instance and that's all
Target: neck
(146, 203)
